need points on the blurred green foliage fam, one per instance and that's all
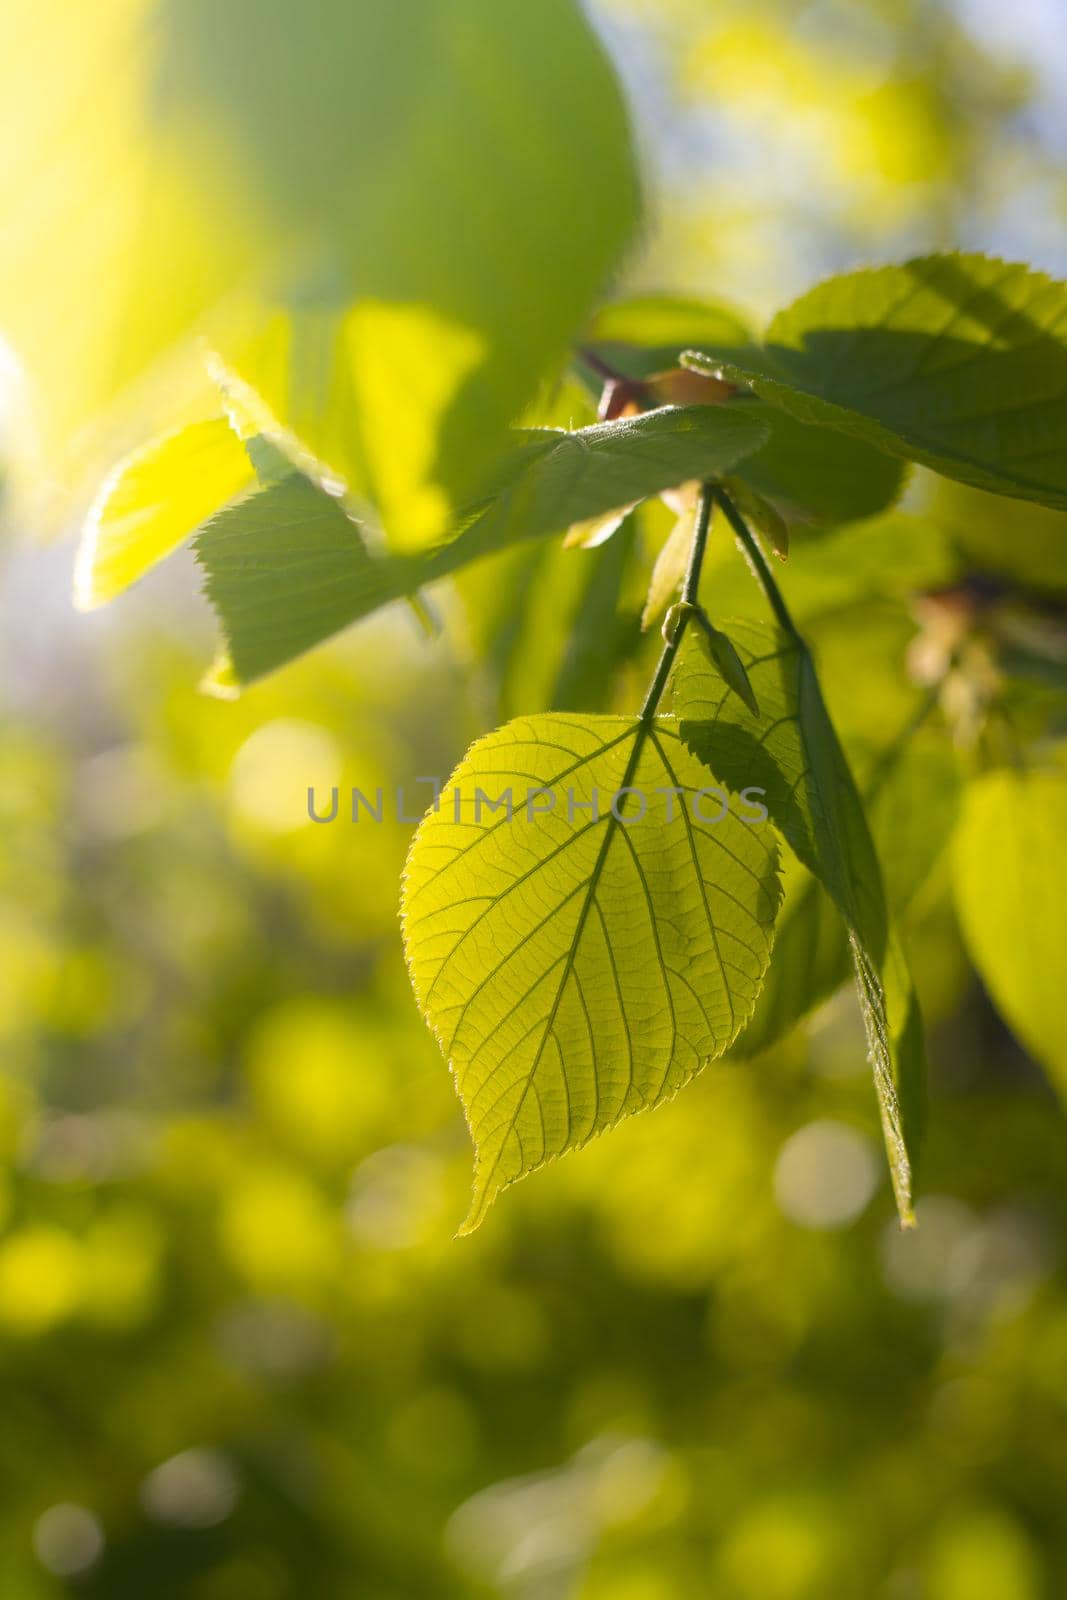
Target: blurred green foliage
(242, 1356)
(236, 1328)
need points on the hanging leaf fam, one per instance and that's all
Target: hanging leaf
(578, 963)
(912, 798)
(791, 752)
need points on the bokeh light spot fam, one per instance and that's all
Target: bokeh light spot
(825, 1175)
(67, 1539)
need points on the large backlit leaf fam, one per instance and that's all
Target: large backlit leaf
(575, 967)
(120, 230)
(792, 752)
(284, 569)
(449, 187)
(956, 361)
(1010, 872)
(469, 169)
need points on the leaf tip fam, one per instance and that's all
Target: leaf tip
(221, 680)
(482, 1198)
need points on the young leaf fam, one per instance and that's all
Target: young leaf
(592, 532)
(1010, 873)
(791, 751)
(580, 964)
(721, 654)
(153, 501)
(286, 568)
(955, 361)
(669, 570)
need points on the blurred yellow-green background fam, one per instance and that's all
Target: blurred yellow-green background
(242, 1356)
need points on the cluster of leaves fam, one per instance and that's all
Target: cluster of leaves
(349, 441)
(575, 972)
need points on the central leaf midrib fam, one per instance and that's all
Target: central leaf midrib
(643, 729)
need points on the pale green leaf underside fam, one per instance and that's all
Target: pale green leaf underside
(1010, 874)
(285, 569)
(791, 751)
(153, 501)
(955, 361)
(578, 969)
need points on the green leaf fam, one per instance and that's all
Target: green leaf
(668, 571)
(1010, 871)
(576, 968)
(911, 797)
(955, 361)
(721, 654)
(761, 515)
(819, 475)
(450, 187)
(792, 752)
(286, 568)
(153, 501)
(461, 177)
(813, 474)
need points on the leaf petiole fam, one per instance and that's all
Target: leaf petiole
(758, 563)
(686, 609)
